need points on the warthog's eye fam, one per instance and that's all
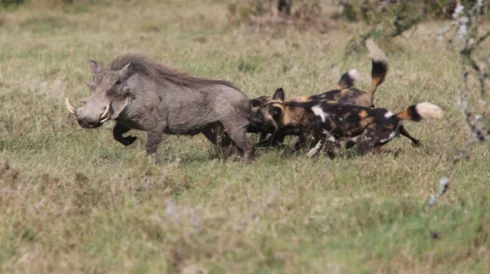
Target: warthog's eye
(118, 82)
(111, 92)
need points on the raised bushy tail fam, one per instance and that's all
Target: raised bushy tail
(348, 79)
(420, 111)
(379, 68)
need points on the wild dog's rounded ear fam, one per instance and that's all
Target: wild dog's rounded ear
(275, 112)
(279, 94)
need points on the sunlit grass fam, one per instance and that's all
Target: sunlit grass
(75, 200)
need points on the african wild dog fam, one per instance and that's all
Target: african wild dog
(365, 127)
(346, 94)
(346, 82)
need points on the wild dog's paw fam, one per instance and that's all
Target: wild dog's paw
(416, 143)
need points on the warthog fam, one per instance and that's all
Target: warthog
(140, 94)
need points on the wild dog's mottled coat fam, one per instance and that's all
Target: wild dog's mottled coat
(323, 120)
(346, 94)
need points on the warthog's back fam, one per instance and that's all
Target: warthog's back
(186, 103)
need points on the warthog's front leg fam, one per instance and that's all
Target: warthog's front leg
(118, 132)
(153, 139)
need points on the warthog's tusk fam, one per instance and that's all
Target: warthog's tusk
(105, 119)
(71, 109)
(106, 111)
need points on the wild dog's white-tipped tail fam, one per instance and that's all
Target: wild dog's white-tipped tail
(429, 110)
(379, 67)
(354, 74)
(375, 53)
(420, 111)
(348, 79)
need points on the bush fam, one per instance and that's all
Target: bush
(10, 3)
(370, 11)
(389, 19)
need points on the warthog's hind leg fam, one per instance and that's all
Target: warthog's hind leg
(239, 136)
(153, 139)
(215, 134)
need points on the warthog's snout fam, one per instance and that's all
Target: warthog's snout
(89, 118)
(86, 122)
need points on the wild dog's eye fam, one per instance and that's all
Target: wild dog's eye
(118, 82)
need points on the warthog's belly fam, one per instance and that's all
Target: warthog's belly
(183, 131)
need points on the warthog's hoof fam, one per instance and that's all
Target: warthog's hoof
(128, 140)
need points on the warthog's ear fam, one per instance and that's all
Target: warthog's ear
(90, 85)
(125, 71)
(279, 94)
(95, 67)
(275, 112)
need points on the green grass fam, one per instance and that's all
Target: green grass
(76, 201)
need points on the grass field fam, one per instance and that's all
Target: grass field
(76, 201)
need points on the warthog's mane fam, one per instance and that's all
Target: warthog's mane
(161, 73)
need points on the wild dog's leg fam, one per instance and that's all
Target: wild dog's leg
(332, 143)
(331, 148)
(265, 139)
(364, 143)
(118, 132)
(404, 132)
(271, 139)
(153, 139)
(374, 139)
(314, 151)
(353, 141)
(301, 140)
(278, 138)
